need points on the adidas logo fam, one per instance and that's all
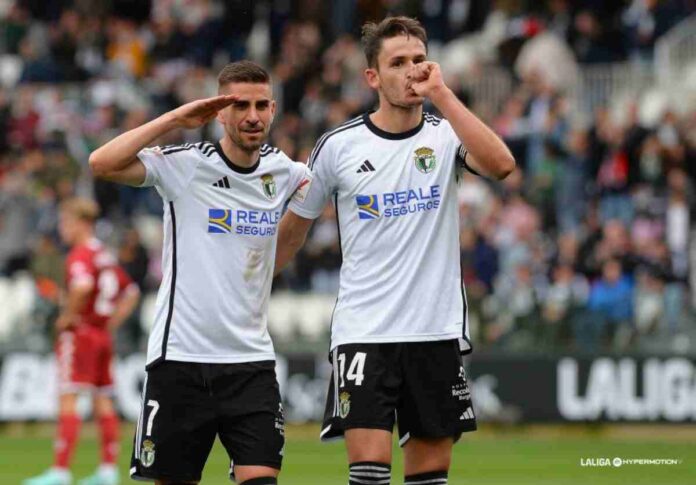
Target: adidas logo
(366, 167)
(468, 414)
(223, 183)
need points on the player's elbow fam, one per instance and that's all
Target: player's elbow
(98, 165)
(505, 164)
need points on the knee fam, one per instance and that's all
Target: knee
(427, 455)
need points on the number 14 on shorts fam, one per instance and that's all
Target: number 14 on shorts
(356, 369)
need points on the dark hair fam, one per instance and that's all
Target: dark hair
(243, 72)
(373, 34)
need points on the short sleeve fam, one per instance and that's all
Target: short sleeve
(169, 169)
(310, 199)
(461, 152)
(300, 181)
(80, 271)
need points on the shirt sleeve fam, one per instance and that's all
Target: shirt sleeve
(169, 169)
(319, 184)
(461, 152)
(300, 182)
(80, 271)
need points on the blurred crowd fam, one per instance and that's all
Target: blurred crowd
(586, 246)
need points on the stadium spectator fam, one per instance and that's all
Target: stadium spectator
(607, 321)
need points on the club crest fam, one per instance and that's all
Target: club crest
(147, 454)
(344, 405)
(424, 158)
(269, 185)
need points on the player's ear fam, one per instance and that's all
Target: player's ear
(220, 117)
(273, 110)
(372, 77)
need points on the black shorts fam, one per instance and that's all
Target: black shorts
(422, 383)
(185, 405)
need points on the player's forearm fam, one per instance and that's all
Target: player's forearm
(120, 152)
(290, 240)
(492, 156)
(124, 308)
(76, 301)
(285, 254)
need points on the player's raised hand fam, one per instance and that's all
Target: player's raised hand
(426, 78)
(199, 112)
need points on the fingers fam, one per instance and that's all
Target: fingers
(219, 102)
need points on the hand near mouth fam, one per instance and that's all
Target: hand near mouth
(426, 79)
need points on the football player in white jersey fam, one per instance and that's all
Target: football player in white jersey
(210, 363)
(399, 325)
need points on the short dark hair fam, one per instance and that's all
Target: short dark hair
(243, 72)
(373, 34)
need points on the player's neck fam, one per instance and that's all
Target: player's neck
(395, 119)
(83, 238)
(238, 156)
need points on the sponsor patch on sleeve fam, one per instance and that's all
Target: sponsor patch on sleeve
(303, 188)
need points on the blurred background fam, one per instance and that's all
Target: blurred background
(579, 267)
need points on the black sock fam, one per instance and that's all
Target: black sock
(261, 481)
(429, 478)
(369, 473)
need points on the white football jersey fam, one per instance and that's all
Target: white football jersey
(396, 201)
(220, 226)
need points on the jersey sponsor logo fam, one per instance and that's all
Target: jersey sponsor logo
(344, 405)
(220, 221)
(242, 222)
(303, 189)
(366, 167)
(368, 206)
(269, 185)
(147, 454)
(460, 390)
(401, 203)
(425, 159)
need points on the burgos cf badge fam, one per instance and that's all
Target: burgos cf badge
(269, 185)
(368, 206)
(147, 454)
(425, 159)
(344, 405)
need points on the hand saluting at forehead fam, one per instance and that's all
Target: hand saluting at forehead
(200, 112)
(426, 78)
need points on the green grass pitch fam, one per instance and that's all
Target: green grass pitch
(491, 456)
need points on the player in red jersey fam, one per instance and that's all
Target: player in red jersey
(99, 297)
